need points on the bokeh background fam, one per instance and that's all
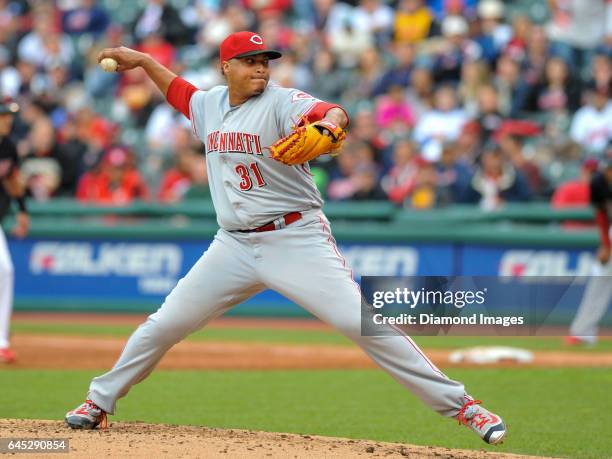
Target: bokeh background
(441, 93)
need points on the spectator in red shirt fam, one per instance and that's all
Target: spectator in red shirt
(115, 182)
(189, 172)
(576, 193)
(155, 45)
(94, 129)
(401, 179)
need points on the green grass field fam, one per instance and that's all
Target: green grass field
(563, 413)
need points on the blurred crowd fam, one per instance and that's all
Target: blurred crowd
(451, 101)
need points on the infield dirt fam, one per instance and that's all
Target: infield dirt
(156, 440)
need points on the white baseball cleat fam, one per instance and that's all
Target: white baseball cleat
(487, 425)
(86, 416)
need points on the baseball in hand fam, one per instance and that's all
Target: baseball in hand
(108, 64)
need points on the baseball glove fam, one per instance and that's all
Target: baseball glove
(307, 142)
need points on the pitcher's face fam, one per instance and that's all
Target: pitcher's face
(247, 76)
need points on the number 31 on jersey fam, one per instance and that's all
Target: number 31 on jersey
(245, 173)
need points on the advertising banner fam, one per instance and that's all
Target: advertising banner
(88, 274)
(136, 276)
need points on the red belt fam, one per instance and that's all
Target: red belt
(279, 223)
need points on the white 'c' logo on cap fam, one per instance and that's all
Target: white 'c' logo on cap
(256, 39)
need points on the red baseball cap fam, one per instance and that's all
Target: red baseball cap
(243, 44)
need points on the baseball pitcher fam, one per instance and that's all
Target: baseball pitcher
(258, 139)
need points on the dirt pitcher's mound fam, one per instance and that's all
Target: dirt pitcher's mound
(157, 440)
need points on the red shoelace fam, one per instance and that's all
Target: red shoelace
(461, 415)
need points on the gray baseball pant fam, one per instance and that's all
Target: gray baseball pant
(300, 262)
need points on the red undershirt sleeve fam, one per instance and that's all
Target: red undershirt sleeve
(318, 111)
(603, 223)
(179, 94)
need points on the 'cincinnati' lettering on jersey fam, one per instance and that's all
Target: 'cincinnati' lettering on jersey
(234, 142)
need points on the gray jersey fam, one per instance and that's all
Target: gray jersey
(248, 187)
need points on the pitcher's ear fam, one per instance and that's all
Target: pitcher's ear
(222, 67)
